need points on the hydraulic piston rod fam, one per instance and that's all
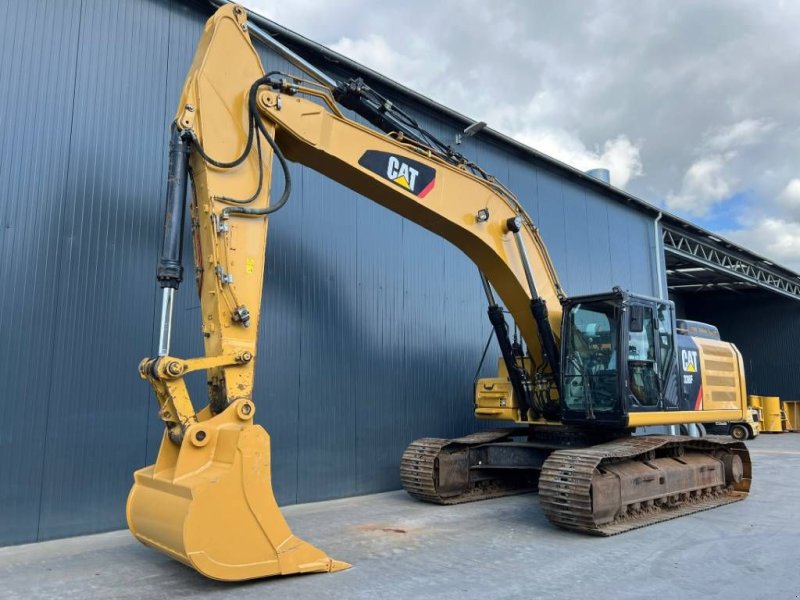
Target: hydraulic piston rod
(170, 268)
(520, 381)
(165, 330)
(538, 307)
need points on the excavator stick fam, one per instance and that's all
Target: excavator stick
(208, 501)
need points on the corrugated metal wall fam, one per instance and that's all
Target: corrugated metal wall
(372, 327)
(766, 329)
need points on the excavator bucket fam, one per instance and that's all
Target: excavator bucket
(209, 503)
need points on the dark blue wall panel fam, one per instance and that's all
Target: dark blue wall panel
(328, 349)
(598, 241)
(36, 115)
(96, 414)
(553, 220)
(372, 328)
(377, 387)
(766, 329)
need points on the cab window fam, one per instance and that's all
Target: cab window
(643, 380)
(665, 340)
(591, 357)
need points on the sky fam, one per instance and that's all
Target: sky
(693, 106)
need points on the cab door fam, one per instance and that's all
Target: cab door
(650, 365)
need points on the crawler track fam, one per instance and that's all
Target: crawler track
(420, 471)
(568, 477)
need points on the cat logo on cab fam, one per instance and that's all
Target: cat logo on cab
(689, 361)
(409, 174)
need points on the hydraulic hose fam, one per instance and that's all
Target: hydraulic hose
(287, 176)
(256, 129)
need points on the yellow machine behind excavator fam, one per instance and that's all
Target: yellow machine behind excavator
(587, 371)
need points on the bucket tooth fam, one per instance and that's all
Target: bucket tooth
(209, 504)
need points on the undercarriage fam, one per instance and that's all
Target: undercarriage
(585, 483)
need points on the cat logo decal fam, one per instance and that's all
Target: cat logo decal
(409, 174)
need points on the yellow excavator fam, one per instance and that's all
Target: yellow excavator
(583, 375)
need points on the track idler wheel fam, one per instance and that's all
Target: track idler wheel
(734, 468)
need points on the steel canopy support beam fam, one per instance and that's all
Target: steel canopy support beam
(720, 260)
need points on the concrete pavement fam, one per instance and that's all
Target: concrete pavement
(401, 548)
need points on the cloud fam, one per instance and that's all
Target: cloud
(773, 238)
(619, 155)
(709, 181)
(743, 133)
(773, 230)
(413, 65)
(623, 159)
(789, 199)
(704, 186)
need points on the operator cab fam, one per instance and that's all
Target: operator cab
(618, 356)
